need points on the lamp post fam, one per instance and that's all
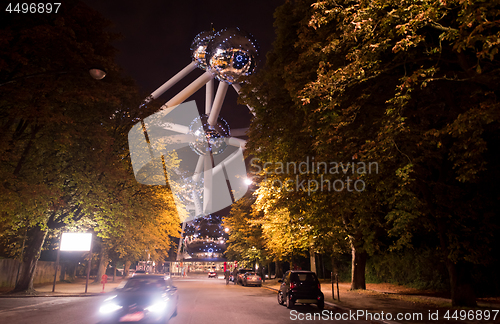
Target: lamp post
(57, 264)
(291, 243)
(88, 268)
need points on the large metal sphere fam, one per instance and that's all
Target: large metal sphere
(231, 55)
(199, 46)
(208, 139)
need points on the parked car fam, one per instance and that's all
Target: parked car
(300, 287)
(241, 272)
(212, 274)
(252, 279)
(144, 298)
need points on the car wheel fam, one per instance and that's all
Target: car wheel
(289, 302)
(280, 298)
(321, 305)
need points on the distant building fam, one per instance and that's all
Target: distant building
(204, 240)
(202, 247)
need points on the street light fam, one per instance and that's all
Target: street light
(97, 74)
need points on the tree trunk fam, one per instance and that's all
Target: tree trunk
(322, 262)
(103, 264)
(278, 271)
(62, 271)
(312, 258)
(358, 268)
(72, 271)
(35, 239)
(461, 282)
(127, 266)
(462, 291)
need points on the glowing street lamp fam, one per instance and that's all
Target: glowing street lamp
(97, 74)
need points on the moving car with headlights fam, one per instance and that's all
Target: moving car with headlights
(252, 279)
(143, 299)
(300, 287)
(212, 274)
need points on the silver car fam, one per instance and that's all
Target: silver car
(251, 279)
(141, 299)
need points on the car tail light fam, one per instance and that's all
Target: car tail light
(259, 278)
(319, 286)
(292, 285)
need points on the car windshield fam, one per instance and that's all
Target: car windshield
(145, 284)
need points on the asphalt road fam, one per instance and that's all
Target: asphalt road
(201, 300)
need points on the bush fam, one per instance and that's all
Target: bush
(421, 269)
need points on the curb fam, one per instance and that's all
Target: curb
(56, 295)
(345, 309)
(53, 294)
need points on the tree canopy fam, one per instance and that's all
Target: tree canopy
(410, 87)
(64, 157)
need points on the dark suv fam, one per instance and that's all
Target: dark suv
(300, 286)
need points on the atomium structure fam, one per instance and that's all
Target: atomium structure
(211, 157)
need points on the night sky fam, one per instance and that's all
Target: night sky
(157, 34)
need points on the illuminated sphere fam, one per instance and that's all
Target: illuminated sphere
(231, 55)
(208, 139)
(199, 46)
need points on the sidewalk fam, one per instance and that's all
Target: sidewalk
(394, 299)
(66, 289)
